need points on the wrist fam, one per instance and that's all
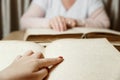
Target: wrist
(5, 76)
(81, 23)
(2, 76)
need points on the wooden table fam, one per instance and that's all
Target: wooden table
(16, 35)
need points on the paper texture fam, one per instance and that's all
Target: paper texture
(85, 59)
(9, 50)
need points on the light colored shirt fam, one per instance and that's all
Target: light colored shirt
(87, 13)
(81, 9)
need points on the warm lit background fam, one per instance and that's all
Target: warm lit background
(12, 10)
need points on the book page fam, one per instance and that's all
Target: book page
(84, 59)
(49, 35)
(9, 50)
(43, 31)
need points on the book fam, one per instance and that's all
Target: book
(49, 35)
(84, 59)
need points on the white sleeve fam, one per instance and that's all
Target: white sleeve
(93, 5)
(42, 3)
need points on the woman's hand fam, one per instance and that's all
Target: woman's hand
(30, 66)
(71, 23)
(60, 23)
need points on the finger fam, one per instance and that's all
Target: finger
(64, 24)
(53, 24)
(42, 73)
(74, 23)
(50, 22)
(38, 55)
(61, 27)
(48, 62)
(68, 21)
(54, 27)
(18, 57)
(28, 53)
(57, 25)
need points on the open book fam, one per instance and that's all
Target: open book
(84, 59)
(49, 35)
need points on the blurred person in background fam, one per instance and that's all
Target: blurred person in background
(61, 15)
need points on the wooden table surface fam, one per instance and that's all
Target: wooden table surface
(16, 35)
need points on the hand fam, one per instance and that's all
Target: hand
(30, 66)
(71, 23)
(58, 23)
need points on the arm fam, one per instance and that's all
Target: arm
(34, 18)
(30, 66)
(98, 19)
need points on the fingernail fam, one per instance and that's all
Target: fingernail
(61, 57)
